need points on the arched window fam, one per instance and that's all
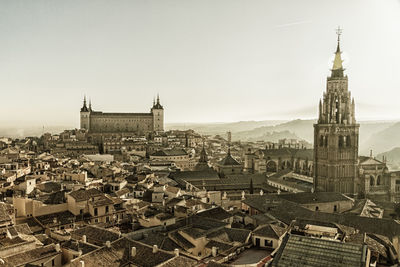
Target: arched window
(341, 141)
(321, 141)
(378, 180)
(326, 141)
(348, 142)
(371, 181)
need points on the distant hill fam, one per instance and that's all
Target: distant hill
(299, 129)
(383, 140)
(393, 158)
(222, 127)
(31, 131)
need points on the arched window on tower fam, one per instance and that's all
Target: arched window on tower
(326, 141)
(378, 180)
(371, 181)
(341, 141)
(348, 142)
(321, 140)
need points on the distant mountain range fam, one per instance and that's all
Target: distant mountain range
(380, 136)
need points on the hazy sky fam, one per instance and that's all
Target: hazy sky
(209, 60)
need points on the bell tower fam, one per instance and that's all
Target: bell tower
(336, 135)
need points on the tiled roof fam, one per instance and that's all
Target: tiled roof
(170, 152)
(216, 213)
(306, 251)
(119, 255)
(83, 195)
(22, 259)
(229, 161)
(97, 235)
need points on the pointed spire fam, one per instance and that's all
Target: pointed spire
(320, 110)
(154, 101)
(84, 108)
(90, 104)
(158, 99)
(337, 69)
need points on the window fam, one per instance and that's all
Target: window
(371, 181)
(316, 208)
(335, 208)
(106, 209)
(95, 211)
(267, 243)
(378, 181)
(348, 142)
(53, 262)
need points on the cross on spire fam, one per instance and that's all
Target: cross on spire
(339, 32)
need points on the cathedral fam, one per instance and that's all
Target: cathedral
(97, 122)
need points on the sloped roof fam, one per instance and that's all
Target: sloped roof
(306, 251)
(83, 195)
(228, 161)
(119, 255)
(170, 152)
(370, 161)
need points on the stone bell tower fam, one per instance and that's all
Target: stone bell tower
(336, 135)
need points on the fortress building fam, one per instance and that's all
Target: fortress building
(97, 122)
(336, 135)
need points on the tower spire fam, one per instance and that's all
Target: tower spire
(84, 108)
(90, 104)
(337, 69)
(158, 98)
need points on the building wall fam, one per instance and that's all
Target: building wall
(330, 207)
(121, 123)
(274, 243)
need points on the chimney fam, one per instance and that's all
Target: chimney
(108, 244)
(214, 251)
(82, 263)
(133, 252)
(84, 239)
(176, 251)
(58, 249)
(155, 249)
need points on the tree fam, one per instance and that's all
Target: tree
(251, 187)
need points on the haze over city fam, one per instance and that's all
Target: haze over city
(210, 61)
